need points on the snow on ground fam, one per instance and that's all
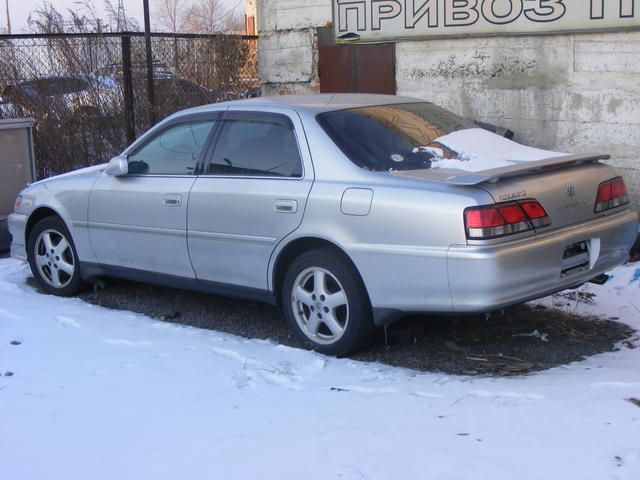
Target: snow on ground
(105, 394)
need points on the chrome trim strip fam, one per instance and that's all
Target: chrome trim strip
(257, 177)
(244, 177)
(138, 228)
(159, 175)
(236, 237)
(412, 250)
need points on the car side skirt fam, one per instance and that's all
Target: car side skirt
(93, 271)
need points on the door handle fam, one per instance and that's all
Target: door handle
(286, 206)
(172, 200)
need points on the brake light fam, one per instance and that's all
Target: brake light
(611, 194)
(493, 221)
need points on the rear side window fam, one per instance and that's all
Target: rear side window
(174, 151)
(256, 144)
(385, 137)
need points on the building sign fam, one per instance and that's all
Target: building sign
(378, 20)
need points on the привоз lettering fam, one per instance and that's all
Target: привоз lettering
(359, 15)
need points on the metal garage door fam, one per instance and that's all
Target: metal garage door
(357, 68)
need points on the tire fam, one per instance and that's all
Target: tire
(53, 258)
(326, 304)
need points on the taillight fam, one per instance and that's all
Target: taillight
(611, 194)
(492, 221)
(536, 213)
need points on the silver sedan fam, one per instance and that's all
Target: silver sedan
(348, 211)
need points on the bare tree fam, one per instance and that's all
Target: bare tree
(235, 22)
(47, 19)
(171, 14)
(204, 16)
(198, 16)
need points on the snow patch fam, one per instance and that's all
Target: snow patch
(544, 337)
(506, 395)
(65, 322)
(127, 343)
(479, 150)
(161, 401)
(9, 316)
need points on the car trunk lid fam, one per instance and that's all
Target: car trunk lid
(568, 193)
(566, 186)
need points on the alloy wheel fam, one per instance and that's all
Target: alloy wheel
(54, 258)
(320, 305)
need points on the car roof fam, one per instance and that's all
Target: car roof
(316, 103)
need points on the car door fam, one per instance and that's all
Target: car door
(139, 221)
(252, 193)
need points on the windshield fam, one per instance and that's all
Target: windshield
(393, 137)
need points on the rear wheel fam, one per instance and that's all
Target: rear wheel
(326, 304)
(53, 258)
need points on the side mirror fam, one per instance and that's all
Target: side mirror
(117, 166)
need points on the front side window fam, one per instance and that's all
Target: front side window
(257, 145)
(392, 137)
(175, 151)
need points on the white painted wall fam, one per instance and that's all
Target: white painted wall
(573, 93)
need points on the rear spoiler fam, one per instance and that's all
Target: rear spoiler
(522, 168)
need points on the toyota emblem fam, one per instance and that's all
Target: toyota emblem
(571, 190)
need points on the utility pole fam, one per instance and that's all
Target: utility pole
(147, 42)
(6, 2)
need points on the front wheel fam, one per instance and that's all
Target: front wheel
(53, 258)
(326, 304)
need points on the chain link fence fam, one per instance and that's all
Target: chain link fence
(89, 96)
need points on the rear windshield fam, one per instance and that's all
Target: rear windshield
(392, 137)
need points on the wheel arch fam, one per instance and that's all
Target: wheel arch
(297, 247)
(38, 214)
(75, 281)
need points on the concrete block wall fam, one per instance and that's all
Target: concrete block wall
(569, 93)
(288, 44)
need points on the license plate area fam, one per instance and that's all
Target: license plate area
(575, 258)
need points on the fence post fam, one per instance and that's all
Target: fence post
(127, 84)
(147, 44)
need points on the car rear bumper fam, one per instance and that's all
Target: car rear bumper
(17, 225)
(485, 278)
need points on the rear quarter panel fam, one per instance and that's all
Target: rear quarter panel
(399, 247)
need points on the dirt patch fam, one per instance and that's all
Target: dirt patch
(523, 339)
